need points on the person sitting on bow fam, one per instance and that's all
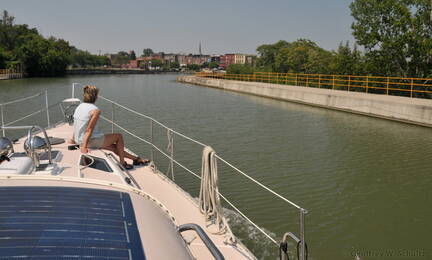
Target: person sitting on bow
(87, 134)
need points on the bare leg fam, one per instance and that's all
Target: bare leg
(115, 141)
(126, 154)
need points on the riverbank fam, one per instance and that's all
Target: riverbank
(403, 109)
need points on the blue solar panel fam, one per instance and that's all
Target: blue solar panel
(67, 223)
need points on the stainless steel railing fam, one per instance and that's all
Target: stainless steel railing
(44, 108)
(169, 154)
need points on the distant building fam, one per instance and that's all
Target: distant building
(215, 58)
(133, 64)
(158, 56)
(226, 60)
(239, 58)
(191, 59)
(250, 60)
(170, 58)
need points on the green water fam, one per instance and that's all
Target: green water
(366, 182)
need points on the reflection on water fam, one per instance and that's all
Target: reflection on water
(366, 182)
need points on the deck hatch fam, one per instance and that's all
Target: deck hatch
(67, 223)
(97, 163)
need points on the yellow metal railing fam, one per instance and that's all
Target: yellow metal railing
(397, 86)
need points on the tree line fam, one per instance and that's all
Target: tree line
(24, 47)
(395, 37)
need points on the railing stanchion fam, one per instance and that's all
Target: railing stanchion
(112, 117)
(47, 107)
(412, 85)
(73, 89)
(172, 158)
(367, 83)
(319, 81)
(388, 82)
(349, 83)
(333, 82)
(302, 235)
(2, 119)
(151, 139)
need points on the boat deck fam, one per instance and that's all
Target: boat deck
(178, 203)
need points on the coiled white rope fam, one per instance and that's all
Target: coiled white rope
(209, 201)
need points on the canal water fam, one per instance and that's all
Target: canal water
(365, 182)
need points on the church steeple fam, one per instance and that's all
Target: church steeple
(199, 50)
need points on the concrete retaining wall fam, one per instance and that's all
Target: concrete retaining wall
(409, 110)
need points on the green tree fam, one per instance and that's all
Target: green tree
(194, 67)
(8, 34)
(3, 58)
(302, 56)
(133, 55)
(147, 52)
(44, 57)
(213, 65)
(121, 58)
(156, 63)
(268, 53)
(24, 47)
(174, 65)
(240, 69)
(396, 35)
(347, 61)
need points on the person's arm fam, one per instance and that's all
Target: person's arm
(92, 123)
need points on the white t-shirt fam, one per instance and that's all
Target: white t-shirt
(81, 120)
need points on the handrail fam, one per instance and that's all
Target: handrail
(207, 241)
(398, 86)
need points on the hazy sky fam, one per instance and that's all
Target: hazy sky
(178, 26)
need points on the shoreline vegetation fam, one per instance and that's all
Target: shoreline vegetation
(393, 38)
(24, 49)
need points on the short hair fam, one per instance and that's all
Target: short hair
(90, 94)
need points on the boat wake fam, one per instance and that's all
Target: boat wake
(254, 240)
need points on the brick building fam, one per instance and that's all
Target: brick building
(226, 60)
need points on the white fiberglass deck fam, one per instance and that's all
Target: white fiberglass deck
(177, 203)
